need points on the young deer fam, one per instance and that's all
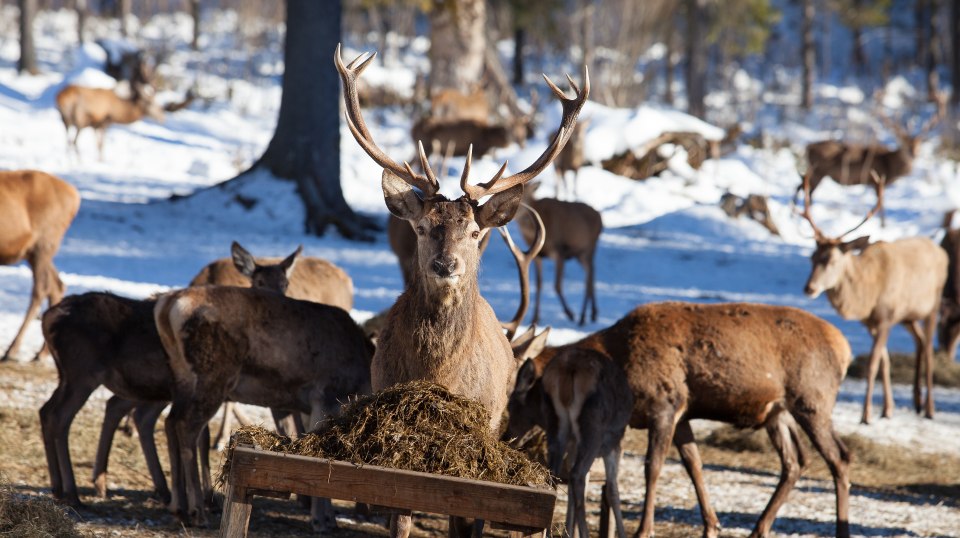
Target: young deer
(98, 108)
(35, 211)
(585, 405)
(573, 230)
(749, 365)
(441, 329)
(571, 159)
(882, 285)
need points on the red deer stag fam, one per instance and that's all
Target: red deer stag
(571, 159)
(852, 164)
(882, 285)
(749, 365)
(573, 230)
(35, 211)
(949, 324)
(256, 347)
(98, 108)
(441, 329)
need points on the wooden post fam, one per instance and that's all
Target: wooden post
(236, 512)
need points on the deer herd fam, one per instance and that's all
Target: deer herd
(276, 332)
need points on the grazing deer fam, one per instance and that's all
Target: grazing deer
(35, 211)
(585, 403)
(441, 329)
(571, 159)
(98, 108)
(452, 103)
(949, 324)
(853, 164)
(573, 229)
(749, 365)
(882, 285)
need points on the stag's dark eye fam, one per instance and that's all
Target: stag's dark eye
(475, 234)
(419, 230)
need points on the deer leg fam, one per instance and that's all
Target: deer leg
(39, 292)
(188, 425)
(779, 429)
(145, 418)
(880, 334)
(203, 449)
(55, 419)
(659, 438)
(223, 434)
(690, 456)
(54, 295)
(930, 327)
(819, 428)
(538, 271)
(913, 327)
(611, 490)
(400, 526)
(558, 284)
(586, 261)
(116, 409)
(887, 387)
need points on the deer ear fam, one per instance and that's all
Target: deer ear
(859, 243)
(291, 260)
(500, 208)
(400, 197)
(242, 260)
(526, 377)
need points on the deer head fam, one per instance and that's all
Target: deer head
(270, 277)
(832, 255)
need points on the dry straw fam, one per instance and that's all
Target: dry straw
(417, 426)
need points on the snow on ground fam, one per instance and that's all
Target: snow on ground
(665, 238)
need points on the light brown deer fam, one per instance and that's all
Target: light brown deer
(441, 329)
(749, 365)
(573, 230)
(98, 108)
(882, 284)
(104, 339)
(571, 159)
(35, 211)
(452, 103)
(852, 164)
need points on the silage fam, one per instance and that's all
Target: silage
(417, 426)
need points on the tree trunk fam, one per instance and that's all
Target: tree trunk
(808, 53)
(920, 26)
(457, 43)
(123, 13)
(696, 72)
(195, 14)
(519, 37)
(81, 8)
(28, 53)
(586, 33)
(932, 59)
(306, 144)
(951, 131)
(668, 67)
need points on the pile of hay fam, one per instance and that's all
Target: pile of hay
(35, 517)
(417, 426)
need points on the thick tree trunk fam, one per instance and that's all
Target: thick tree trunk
(457, 43)
(951, 132)
(808, 53)
(696, 72)
(123, 13)
(306, 144)
(195, 15)
(519, 37)
(28, 53)
(932, 49)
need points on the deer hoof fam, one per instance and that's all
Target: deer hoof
(100, 485)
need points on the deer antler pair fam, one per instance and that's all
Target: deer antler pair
(817, 233)
(427, 182)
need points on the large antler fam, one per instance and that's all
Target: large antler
(524, 259)
(880, 181)
(817, 234)
(349, 74)
(571, 109)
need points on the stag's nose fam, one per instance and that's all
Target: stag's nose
(444, 267)
(809, 290)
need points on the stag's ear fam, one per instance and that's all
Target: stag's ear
(400, 197)
(291, 260)
(242, 260)
(859, 243)
(526, 377)
(500, 208)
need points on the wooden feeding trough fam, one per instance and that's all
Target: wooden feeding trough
(525, 511)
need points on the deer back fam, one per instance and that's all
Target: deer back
(36, 209)
(572, 228)
(461, 133)
(571, 157)
(312, 279)
(454, 104)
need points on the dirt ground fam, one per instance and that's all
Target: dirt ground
(739, 460)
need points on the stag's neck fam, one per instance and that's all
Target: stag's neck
(899, 163)
(127, 111)
(854, 296)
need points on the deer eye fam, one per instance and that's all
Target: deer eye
(475, 234)
(419, 230)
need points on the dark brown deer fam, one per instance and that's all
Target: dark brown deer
(949, 324)
(882, 284)
(749, 365)
(571, 159)
(441, 329)
(35, 211)
(573, 230)
(852, 164)
(98, 108)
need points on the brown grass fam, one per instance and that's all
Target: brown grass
(23, 516)
(416, 426)
(946, 371)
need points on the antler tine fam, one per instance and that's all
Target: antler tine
(817, 234)
(880, 181)
(348, 75)
(524, 259)
(571, 109)
(425, 163)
